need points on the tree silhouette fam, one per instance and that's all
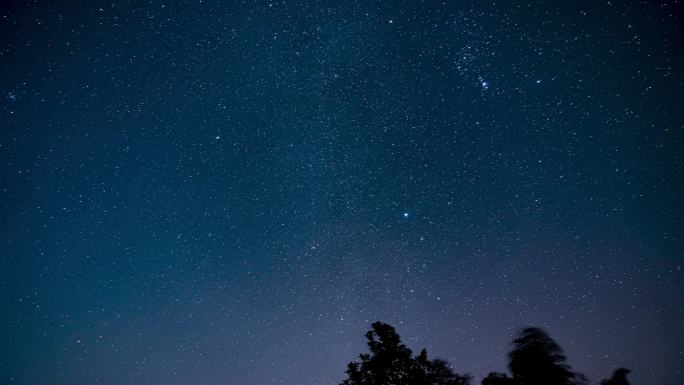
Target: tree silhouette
(619, 378)
(536, 359)
(392, 363)
(436, 372)
(495, 378)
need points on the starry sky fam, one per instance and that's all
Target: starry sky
(229, 192)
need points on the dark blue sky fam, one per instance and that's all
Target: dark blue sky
(210, 192)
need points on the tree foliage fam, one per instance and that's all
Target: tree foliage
(392, 363)
(495, 378)
(536, 359)
(619, 378)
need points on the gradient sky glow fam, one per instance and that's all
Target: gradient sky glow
(230, 192)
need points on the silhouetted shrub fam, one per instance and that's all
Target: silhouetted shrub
(495, 378)
(619, 378)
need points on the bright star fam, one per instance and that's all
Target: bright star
(406, 215)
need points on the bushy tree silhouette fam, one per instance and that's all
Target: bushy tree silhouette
(536, 359)
(392, 363)
(619, 378)
(437, 372)
(495, 378)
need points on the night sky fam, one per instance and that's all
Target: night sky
(230, 192)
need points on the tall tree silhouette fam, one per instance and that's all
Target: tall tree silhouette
(619, 378)
(536, 359)
(392, 363)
